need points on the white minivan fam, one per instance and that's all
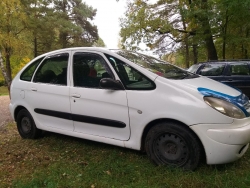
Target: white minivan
(131, 100)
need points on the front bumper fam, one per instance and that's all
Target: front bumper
(224, 143)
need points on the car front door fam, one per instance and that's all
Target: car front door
(48, 94)
(96, 111)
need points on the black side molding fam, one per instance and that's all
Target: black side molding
(81, 118)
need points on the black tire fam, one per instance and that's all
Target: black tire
(26, 125)
(172, 144)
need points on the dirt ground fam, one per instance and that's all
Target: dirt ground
(4, 110)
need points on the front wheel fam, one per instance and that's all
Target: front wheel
(26, 125)
(172, 144)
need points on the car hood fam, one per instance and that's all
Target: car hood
(209, 87)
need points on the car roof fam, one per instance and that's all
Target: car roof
(99, 49)
(226, 61)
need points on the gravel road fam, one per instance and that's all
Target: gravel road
(4, 110)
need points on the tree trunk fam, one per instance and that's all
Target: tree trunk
(211, 50)
(7, 60)
(63, 39)
(35, 46)
(4, 72)
(224, 38)
(185, 39)
(195, 53)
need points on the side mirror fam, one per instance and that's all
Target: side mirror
(109, 83)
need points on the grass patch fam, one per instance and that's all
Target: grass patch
(61, 161)
(4, 90)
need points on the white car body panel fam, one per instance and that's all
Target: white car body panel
(106, 104)
(224, 139)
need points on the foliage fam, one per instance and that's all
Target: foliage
(216, 28)
(99, 43)
(13, 20)
(62, 161)
(31, 27)
(56, 24)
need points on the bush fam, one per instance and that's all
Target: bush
(2, 83)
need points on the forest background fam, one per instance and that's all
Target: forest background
(183, 32)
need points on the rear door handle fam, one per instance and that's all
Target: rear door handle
(76, 95)
(33, 89)
(230, 80)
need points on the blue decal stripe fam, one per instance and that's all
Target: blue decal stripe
(239, 101)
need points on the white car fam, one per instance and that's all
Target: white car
(131, 100)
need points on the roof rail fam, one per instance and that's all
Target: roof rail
(220, 60)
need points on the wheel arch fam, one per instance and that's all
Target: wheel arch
(155, 122)
(17, 110)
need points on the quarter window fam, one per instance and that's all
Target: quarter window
(29, 71)
(212, 69)
(131, 78)
(239, 69)
(53, 70)
(89, 69)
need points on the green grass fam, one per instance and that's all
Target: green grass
(56, 161)
(4, 90)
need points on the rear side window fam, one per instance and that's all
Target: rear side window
(29, 71)
(53, 70)
(239, 69)
(212, 69)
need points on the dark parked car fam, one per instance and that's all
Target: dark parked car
(233, 73)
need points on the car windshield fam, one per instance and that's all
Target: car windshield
(156, 66)
(193, 68)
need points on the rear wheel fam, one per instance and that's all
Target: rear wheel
(26, 125)
(172, 144)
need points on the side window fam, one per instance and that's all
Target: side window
(239, 69)
(29, 71)
(212, 69)
(89, 69)
(130, 77)
(53, 70)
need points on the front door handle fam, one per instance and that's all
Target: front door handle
(230, 80)
(33, 89)
(76, 95)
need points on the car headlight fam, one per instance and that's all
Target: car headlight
(225, 107)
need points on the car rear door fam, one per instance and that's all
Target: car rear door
(239, 76)
(48, 93)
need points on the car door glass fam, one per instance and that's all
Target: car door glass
(53, 70)
(212, 69)
(89, 69)
(131, 78)
(239, 69)
(29, 71)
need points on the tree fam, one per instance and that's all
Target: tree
(99, 43)
(56, 24)
(12, 19)
(188, 25)
(41, 26)
(73, 23)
